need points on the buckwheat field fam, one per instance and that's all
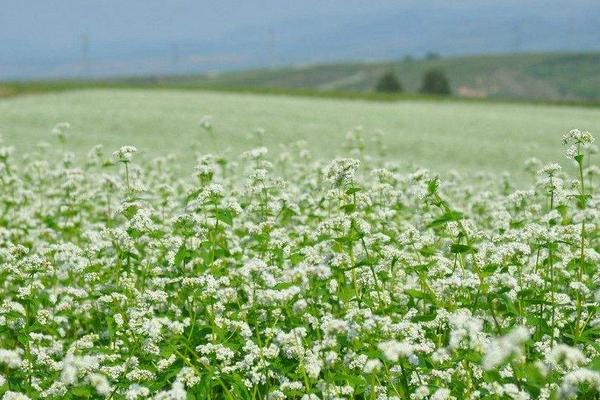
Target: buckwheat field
(276, 275)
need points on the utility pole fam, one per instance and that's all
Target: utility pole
(271, 47)
(571, 30)
(85, 50)
(517, 37)
(174, 56)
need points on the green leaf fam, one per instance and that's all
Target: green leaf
(82, 391)
(595, 364)
(225, 216)
(130, 211)
(459, 248)
(417, 294)
(182, 255)
(447, 217)
(432, 186)
(348, 208)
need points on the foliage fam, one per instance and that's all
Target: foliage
(288, 277)
(539, 77)
(435, 82)
(388, 83)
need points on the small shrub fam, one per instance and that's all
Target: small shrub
(435, 82)
(389, 83)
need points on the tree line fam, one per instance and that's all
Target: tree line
(434, 82)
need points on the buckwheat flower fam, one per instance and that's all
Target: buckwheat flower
(125, 154)
(10, 395)
(255, 154)
(341, 171)
(299, 306)
(372, 365)
(177, 392)
(420, 393)
(532, 164)
(11, 358)
(206, 122)
(442, 394)
(211, 192)
(571, 357)
(2, 380)
(60, 130)
(393, 350)
(500, 349)
(550, 169)
(578, 137)
(257, 134)
(572, 380)
(465, 330)
(571, 151)
(166, 362)
(136, 391)
(119, 320)
(5, 152)
(152, 328)
(100, 383)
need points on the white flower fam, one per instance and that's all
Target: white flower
(15, 396)
(11, 358)
(60, 130)
(125, 153)
(206, 122)
(341, 171)
(393, 350)
(571, 357)
(573, 379)
(372, 365)
(442, 394)
(503, 347)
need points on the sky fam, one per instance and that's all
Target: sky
(129, 37)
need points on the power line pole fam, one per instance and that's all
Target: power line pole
(85, 57)
(174, 56)
(571, 30)
(271, 47)
(517, 37)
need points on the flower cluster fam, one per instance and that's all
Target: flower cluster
(292, 278)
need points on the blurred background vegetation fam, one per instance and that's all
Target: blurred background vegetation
(564, 77)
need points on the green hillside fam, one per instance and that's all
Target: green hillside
(519, 76)
(537, 77)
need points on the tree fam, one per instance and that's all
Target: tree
(435, 82)
(432, 55)
(388, 83)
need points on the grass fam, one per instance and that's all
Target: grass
(468, 137)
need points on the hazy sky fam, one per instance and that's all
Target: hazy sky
(46, 37)
(57, 24)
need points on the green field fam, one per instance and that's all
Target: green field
(464, 136)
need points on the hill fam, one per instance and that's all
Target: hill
(517, 76)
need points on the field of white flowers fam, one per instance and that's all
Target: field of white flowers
(275, 275)
(439, 135)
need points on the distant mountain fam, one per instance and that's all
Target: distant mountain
(69, 38)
